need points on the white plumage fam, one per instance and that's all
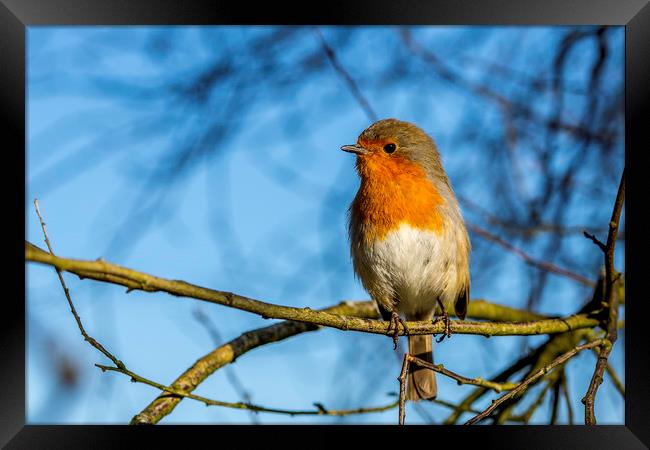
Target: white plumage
(411, 267)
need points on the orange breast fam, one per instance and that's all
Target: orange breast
(394, 191)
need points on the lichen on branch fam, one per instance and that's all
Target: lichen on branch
(101, 270)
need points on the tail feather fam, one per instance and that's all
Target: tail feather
(462, 302)
(421, 381)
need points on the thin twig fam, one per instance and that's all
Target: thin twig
(528, 414)
(232, 378)
(543, 265)
(104, 271)
(319, 411)
(85, 335)
(528, 381)
(347, 78)
(616, 380)
(595, 240)
(227, 353)
(121, 368)
(408, 359)
(454, 406)
(511, 225)
(402, 388)
(497, 387)
(609, 321)
(478, 392)
(507, 106)
(553, 348)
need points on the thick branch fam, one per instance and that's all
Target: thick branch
(227, 353)
(121, 368)
(104, 271)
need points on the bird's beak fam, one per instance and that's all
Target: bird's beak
(354, 149)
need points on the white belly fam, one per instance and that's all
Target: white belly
(411, 267)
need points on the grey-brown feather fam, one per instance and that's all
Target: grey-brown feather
(421, 382)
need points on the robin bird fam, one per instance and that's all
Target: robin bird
(409, 245)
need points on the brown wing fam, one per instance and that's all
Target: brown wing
(462, 302)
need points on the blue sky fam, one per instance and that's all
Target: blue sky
(263, 213)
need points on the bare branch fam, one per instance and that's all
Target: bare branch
(528, 381)
(149, 283)
(528, 414)
(73, 310)
(535, 359)
(232, 378)
(611, 300)
(595, 240)
(121, 368)
(347, 78)
(543, 265)
(227, 353)
(319, 411)
(402, 388)
(496, 386)
(230, 351)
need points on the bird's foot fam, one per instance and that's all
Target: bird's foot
(393, 324)
(445, 318)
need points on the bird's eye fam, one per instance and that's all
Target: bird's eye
(390, 148)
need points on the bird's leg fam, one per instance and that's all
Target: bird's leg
(393, 324)
(445, 317)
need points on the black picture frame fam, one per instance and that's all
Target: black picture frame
(16, 15)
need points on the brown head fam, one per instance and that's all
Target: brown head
(399, 145)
